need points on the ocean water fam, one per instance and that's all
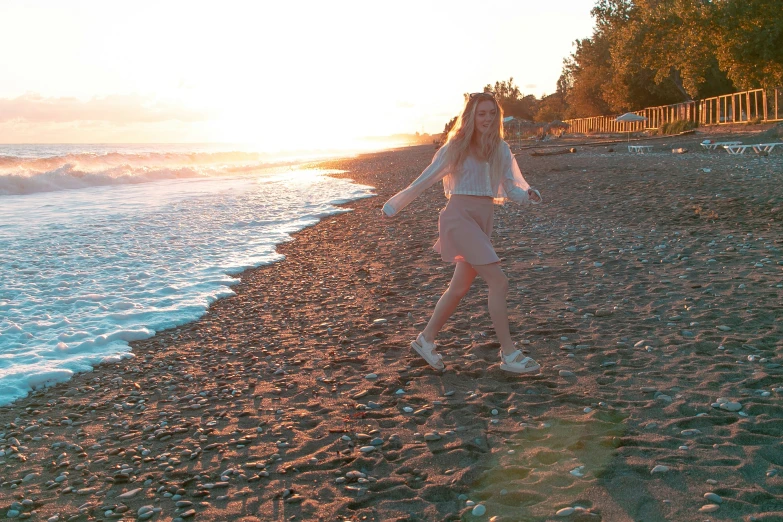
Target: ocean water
(102, 245)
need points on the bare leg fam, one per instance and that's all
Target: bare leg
(463, 277)
(498, 312)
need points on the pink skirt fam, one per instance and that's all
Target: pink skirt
(464, 229)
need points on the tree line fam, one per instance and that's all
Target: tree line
(645, 53)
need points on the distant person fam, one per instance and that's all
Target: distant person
(478, 170)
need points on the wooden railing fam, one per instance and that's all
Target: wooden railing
(757, 105)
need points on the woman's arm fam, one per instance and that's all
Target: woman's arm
(516, 187)
(431, 175)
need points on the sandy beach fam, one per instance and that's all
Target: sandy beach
(648, 286)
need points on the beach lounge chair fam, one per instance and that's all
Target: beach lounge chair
(736, 149)
(640, 149)
(765, 147)
(712, 145)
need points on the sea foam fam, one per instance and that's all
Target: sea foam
(29, 175)
(85, 272)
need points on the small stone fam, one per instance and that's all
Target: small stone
(565, 512)
(432, 436)
(709, 508)
(479, 510)
(660, 468)
(129, 494)
(731, 406)
(12, 513)
(565, 373)
(713, 497)
(367, 449)
(371, 376)
(724, 328)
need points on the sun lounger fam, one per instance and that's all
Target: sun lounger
(640, 149)
(765, 147)
(715, 144)
(736, 149)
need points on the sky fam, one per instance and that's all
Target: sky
(277, 74)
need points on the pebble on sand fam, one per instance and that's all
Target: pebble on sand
(713, 497)
(565, 512)
(709, 508)
(660, 468)
(479, 510)
(129, 494)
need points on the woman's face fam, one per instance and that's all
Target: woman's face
(486, 112)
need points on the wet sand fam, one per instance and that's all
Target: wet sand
(648, 288)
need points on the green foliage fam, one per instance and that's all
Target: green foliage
(657, 52)
(677, 126)
(447, 128)
(513, 101)
(750, 42)
(551, 108)
(585, 74)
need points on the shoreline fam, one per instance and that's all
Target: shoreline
(279, 374)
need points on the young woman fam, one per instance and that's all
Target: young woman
(478, 170)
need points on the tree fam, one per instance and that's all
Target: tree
(450, 125)
(750, 41)
(510, 97)
(553, 107)
(586, 73)
(672, 38)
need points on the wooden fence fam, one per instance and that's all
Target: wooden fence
(759, 105)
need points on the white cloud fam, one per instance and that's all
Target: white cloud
(117, 109)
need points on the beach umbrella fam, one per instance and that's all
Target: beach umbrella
(630, 117)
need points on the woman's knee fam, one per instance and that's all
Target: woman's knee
(502, 283)
(498, 282)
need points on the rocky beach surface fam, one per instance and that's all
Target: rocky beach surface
(648, 286)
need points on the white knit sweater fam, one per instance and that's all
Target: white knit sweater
(471, 179)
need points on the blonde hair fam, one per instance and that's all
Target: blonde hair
(460, 137)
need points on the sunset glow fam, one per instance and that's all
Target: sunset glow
(280, 75)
